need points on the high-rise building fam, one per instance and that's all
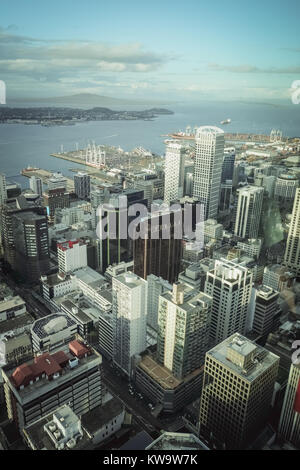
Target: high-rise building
(156, 286)
(292, 250)
(71, 255)
(228, 164)
(158, 254)
(208, 168)
(54, 199)
(183, 329)
(82, 185)
(229, 284)
(289, 425)
(70, 374)
(285, 187)
(174, 171)
(266, 311)
(248, 211)
(238, 385)
(3, 194)
(36, 185)
(129, 297)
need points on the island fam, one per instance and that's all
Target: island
(61, 116)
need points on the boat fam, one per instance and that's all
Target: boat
(226, 121)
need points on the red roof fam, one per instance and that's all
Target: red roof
(68, 244)
(48, 364)
(78, 349)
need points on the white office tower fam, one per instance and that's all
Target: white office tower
(183, 329)
(129, 306)
(71, 255)
(249, 206)
(292, 250)
(156, 286)
(208, 168)
(238, 385)
(289, 425)
(82, 185)
(229, 284)
(174, 171)
(3, 193)
(36, 185)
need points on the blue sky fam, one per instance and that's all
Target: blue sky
(179, 50)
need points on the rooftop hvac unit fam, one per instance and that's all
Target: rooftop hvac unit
(71, 443)
(52, 427)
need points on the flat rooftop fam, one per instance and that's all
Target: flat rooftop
(11, 303)
(99, 416)
(262, 358)
(21, 321)
(162, 375)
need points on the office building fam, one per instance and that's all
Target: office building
(238, 385)
(228, 164)
(183, 329)
(36, 185)
(52, 331)
(229, 284)
(156, 286)
(278, 277)
(174, 171)
(289, 425)
(292, 250)
(158, 254)
(248, 211)
(71, 255)
(208, 168)
(3, 193)
(267, 311)
(82, 185)
(285, 187)
(69, 375)
(57, 180)
(129, 297)
(55, 198)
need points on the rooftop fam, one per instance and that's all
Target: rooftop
(99, 416)
(177, 441)
(11, 302)
(52, 324)
(250, 360)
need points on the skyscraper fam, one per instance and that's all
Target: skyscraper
(174, 171)
(82, 184)
(289, 425)
(183, 327)
(156, 254)
(208, 168)
(292, 250)
(229, 284)
(36, 185)
(266, 311)
(155, 287)
(3, 194)
(248, 211)
(129, 304)
(239, 378)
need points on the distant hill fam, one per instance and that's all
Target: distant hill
(88, 99)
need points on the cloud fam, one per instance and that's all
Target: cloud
(253, 69)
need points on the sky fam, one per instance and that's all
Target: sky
(175, 50)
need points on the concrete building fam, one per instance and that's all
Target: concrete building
(71, 255)
(277, 277)
(82, 185)
(208, 168)
(292, 251)
(248, 211)
(229, 284)
(156, 286)
(57, 180)
(289, 425)
(69, 375)
(55, 198)
(53, 331)
(3, 193)
(267, 311)
(36, 185)
(183, 329)
(129, 296)
(12, 307)
(174, 171)
(251, 247)
(239, 379)
(286, 186)
(212, 230)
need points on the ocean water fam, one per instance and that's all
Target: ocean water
(23, 145)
